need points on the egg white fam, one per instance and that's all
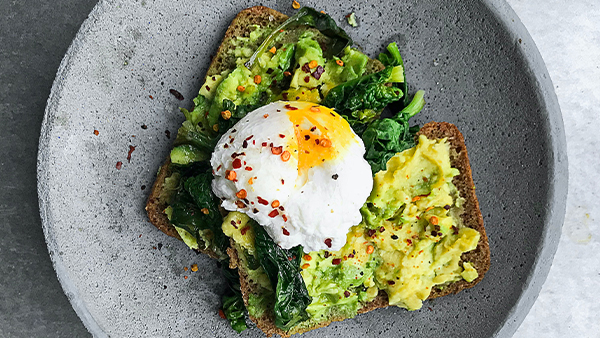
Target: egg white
(316, 206)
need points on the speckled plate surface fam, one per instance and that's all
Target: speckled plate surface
(124, 278)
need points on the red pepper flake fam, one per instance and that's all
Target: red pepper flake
(273, 213)
(286, 73)
(177, 94)
(382, 229)
(230, 175)
(328, 242)
(248, 168)
(241, 194)
(281, 136)
(336, 261)
(96, 132)
(306, 68)
(226, 146)
(282, 181)
(306, 137)
(351, 256)
(318, 72)
(306, 78)
(285, 232)
(284, 218)
(151, 97)
(240, 204)
(119, 165)
(290, 107)
(371, 232)
(281, 208)
(391, 282)
(131, 149)
(233, 223)
(255, 211)
(237, 163)
(219, 167)
(207, 88)
(277, 150)
(409, 242)
(262, 200)
(313, 128)
(346, 293)
(222, 314)
(249, 137)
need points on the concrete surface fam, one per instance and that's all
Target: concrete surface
(34, 36)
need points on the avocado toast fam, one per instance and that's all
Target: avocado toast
(182, 205)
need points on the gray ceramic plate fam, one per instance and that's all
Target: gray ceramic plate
(480, 69)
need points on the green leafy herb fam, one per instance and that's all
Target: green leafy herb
(385, 137)
(194, 209)
(365, 93)
(233, 303)
(307, 16)
(283, 268)
(192, 134)
(392, 58)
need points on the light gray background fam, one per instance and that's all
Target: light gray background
(33, 38)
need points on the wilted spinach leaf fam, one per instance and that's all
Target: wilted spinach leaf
(385, 137)
(367, 93)
(233, 303)
(195, 208)
(283, 268)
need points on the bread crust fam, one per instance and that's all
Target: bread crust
(471, 217)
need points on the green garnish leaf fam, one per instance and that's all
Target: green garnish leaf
(233, 303)
(283, 268)
(385, 137)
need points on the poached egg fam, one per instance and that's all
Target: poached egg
(297, 168)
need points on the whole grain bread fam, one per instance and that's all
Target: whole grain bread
(471, 217)
(241, 26)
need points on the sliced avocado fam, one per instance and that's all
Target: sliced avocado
(186, 154)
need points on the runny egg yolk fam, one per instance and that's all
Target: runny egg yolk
(320, 135)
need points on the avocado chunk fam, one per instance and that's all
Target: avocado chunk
(186, 154)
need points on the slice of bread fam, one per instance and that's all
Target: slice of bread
(471, 217)
(224, 59)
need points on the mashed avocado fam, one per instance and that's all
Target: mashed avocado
(410, 241)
